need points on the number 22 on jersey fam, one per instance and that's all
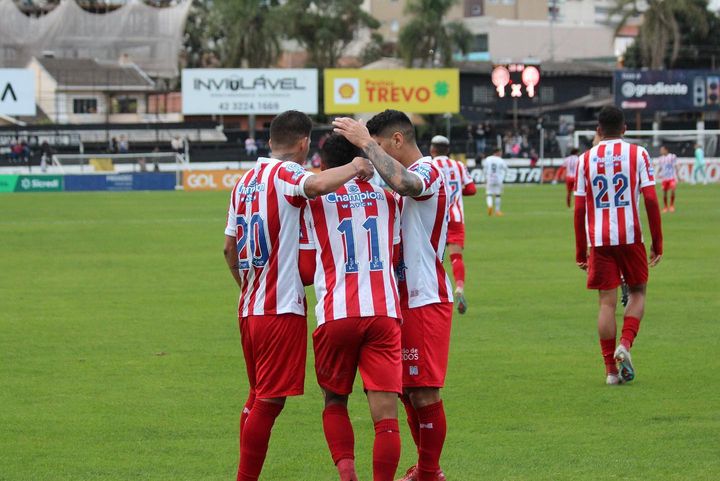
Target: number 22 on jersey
(620, 185)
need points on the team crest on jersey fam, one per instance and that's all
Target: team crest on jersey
(423, 170)
(296, 170)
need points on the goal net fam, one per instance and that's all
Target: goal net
(682, 143)
(118, 163)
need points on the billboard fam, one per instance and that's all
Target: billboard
(17, 91)
(667, 90)
(221, 91)
(421, 91)
(211, 179)
(31, 183)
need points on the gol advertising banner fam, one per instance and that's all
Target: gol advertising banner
(224, 91)
(211, 179)
(421, 91)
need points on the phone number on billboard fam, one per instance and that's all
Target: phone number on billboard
(249, 106)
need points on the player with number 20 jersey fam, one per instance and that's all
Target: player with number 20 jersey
(610, 178)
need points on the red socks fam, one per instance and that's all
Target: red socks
(246, 411)
(630, 328)
(458, 267)
(255, 439)
(386, 450)
(412, 420)
(607, 347)
(341, 440)
(432, 438)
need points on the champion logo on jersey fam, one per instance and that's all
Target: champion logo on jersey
(354, 196)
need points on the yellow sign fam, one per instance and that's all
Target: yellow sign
(211, 179)
(420, 91)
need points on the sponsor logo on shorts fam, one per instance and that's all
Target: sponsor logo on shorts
(411, 354)
(426, 426)
(414, 371)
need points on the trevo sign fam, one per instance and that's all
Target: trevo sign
(17, 91)
(211, 179)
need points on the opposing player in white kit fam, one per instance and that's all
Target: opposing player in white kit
(459, 183)
(354, 233)
(261, 249)
(667, 168)
(425, 289)
(610, 178)
(494, 167)
(570, 165)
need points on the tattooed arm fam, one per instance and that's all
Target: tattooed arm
(392, 171)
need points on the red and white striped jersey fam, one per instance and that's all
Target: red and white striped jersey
(666, 164)
(264, 216)
(456, 178)
(570, 165)
(423, 227)
(353, 231)
(610, 176)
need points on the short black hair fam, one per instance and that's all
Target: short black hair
(611, 120)
(386, 123)
(574, 151)
(337, 151)
(289, 127)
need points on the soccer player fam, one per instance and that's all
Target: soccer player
(354, 233)
(425, 289)
(261, 250)
(610, 178)
(668, 173)
(699, 167)
(495, 168)
(459, 182)
(570, 164)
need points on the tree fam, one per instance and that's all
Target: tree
(325, 27)
(428, 38)
(660, 39)
(202, 38)
(251, 31)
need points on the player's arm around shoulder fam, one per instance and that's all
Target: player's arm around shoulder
(331, 180)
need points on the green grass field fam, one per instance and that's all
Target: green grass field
(120, 355)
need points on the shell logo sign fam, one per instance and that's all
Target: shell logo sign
(211, 179)
(423, 91)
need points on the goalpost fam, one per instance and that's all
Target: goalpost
(105, 163)
(679, 142)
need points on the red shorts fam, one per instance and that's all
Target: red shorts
(456, 233)
(570, 183)
(275, 349)
(371, 344)
(669, 184)
(425, 344)
(607, 263)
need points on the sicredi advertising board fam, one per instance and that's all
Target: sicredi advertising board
(667, 90)
(17, 91)
(249, 91)
(421, 91)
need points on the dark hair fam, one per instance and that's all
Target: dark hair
(574, 151)
(390, 121)
(497, 150)
(442, 149)
(289, 127)
(611, 120)
(337, 151)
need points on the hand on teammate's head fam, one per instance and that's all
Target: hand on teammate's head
(365, 169)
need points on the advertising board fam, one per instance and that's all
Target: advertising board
(211, 179)
(221, 91)
(17, 91)
(667, 90)
(422, 91)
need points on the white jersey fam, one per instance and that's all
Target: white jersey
(456, 178)
(353, 231)
(264, 217)
(610, 177)
(666, 164)
(570, 165)
(423, 224)
(495, 168)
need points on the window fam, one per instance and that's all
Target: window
(483, 95)
(479, 43)
(476, 10)
(124, 105)
(394, 26)
(85, 106)
(547, 95)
